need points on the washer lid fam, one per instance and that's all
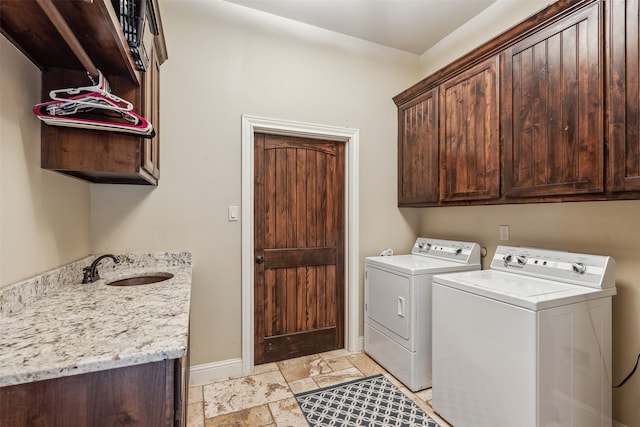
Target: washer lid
(417, 264)
(523, 291)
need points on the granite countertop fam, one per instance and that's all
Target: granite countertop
(77, 328)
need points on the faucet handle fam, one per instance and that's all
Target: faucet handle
(86, 275)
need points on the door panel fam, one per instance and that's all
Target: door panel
(553, 114)
(389, 301)
(470, 143)
(418, 151)
(624, 84)
(299, 237)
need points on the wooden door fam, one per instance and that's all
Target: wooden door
(552, 109)
(299, 247)
(624, 105)
(469, 137)
(418, 151)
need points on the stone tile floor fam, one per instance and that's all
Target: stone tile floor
(265, 398)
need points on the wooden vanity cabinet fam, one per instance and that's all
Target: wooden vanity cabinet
(418, 164)
(624, 95)
(552, 109)
(152, 394)
(92, 155)
(469, 135)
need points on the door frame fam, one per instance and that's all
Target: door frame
(252, 124)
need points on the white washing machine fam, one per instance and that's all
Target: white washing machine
(397, 292)
(526, 343)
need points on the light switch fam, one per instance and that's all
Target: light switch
(233, 213)
(504, 232)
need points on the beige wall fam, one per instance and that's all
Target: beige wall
(225, 61)
(44, 216)
(500, 16)
(606, 228)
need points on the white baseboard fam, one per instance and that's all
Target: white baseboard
(208, 372)
(225, 369)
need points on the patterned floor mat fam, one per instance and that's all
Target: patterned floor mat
(371, 401)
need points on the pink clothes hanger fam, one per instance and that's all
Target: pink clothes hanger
(93, 107)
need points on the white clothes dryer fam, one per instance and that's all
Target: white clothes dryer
(526, 343)
(397, 289)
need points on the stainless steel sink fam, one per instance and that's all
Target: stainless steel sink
(145, 279)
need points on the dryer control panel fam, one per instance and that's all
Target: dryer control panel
(594, 271)
(451, 250)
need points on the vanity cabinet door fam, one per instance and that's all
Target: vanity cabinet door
(418, 151)
(141, 395)
(469, 135)
(624, 106)
(552, 110)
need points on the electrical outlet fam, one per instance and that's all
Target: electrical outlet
(504, 232)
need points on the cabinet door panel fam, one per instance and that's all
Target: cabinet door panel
(470, 152)
(151, 90)
(418, 151)
(552, 113)
(624, 108)
(140, 395)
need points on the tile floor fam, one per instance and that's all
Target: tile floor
(265, 398)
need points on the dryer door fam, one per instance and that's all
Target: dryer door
(388, 301)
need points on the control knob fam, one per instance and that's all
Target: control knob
(522, 260)
(578, 267)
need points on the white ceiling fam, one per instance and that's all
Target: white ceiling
(409, 25)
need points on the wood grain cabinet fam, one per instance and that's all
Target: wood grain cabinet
(624, 96)
(547, 111)
(469, 135)
(149, 395)
(553, 109)
(418, 164)
(95, 156)
(151, 111)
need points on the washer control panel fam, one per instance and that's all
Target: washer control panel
(595, 271)
(466, 252)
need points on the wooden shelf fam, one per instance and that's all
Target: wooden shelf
(94, 32)
(95, 24)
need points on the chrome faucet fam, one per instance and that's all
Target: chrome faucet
(90, 274)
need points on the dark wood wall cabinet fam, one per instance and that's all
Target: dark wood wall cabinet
(624, 96)
(95, 156)
(548, 111)
(469, 134)
(418, 154)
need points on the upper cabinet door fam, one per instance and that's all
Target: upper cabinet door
(469, 134)
(624, 105)
(552, 112)
(418, 151)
